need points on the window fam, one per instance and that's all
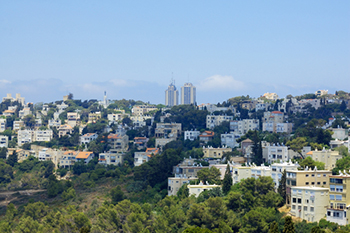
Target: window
(299, 200)
(312, 183)
(313, 175)
(332, 188)
(318, 175)
(306, 183)
(311, 209)
(324, 175)
(331, 197)
(324, 182)
(338, 197)
(318, 183)
(307, 175)
(307, 201)
(335, 180)
(294, 200)
(344, 214)
(305, 208)
(339, 188)
(299, 207)
(328, 213)
(293, 207)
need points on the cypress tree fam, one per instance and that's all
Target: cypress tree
(288, 225)
(282, 186)
(227, 183)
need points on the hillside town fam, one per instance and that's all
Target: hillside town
(301, 143)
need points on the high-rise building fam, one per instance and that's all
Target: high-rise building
(171, 95)
(188, 94)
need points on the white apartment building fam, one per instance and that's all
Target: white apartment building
(112, 157)
(4, 141)
(278, 168)
(25, 136)
(2, 124)
(43, 135)
(276, 153)
(55, 123)
(191, 135)
(29, 136)
(72, 118)
(213, 120)
(229, 140)
(17, 125)
(243, 126)
(87, 138)
(309, 203)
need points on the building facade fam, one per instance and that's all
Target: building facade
(171, 95)
(309, 203)
(188, 94)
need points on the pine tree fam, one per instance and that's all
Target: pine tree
(273, 227)
(288, 225)
(342, 106)
(227, 183)
(12, 159)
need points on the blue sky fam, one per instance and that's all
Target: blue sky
(132, 49)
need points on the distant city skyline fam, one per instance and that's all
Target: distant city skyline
(188, 94)
(132, 49)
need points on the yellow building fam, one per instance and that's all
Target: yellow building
(328, 157)
(306, 178)
(216, 153)
(339, 198)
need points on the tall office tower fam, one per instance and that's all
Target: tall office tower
(171, 95)
(188, 94)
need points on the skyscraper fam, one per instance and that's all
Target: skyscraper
(171, 95)
(188, 94)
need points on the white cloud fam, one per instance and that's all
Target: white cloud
(221, 83)
(4, 81)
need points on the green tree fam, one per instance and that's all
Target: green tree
(288, 225)
(212, 175)
(227, 182)
(282, 189)
(274, 227)
(117, 195)
(297, 144)
(3, 152)
(309, 162)
(11, 212)
(12, 159)
(343, 106)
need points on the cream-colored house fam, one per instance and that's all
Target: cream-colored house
(215, 120)
(328, 157)
(309, 203)
(217, 153)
